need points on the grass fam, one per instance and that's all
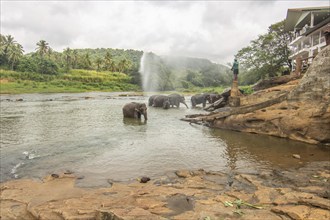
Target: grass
(13, 82)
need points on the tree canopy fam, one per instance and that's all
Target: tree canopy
(266, 56)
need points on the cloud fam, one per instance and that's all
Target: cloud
(208, 29)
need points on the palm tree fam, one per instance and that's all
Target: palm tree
(67, 54)
(50, 52)
(98, 62)
(43, 48)
(15, 53)
(123, 65)
(9, 41)
(2, 48)
(108, 62)
(6, 43)
(87, 61)
(75, 58)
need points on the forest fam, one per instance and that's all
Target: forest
(108, 69)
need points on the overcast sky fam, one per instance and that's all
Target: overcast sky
(215, 30)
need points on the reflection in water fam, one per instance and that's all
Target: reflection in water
(134, 121)
(91, 138)
(266, 151)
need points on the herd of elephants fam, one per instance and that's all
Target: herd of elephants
(136, 109)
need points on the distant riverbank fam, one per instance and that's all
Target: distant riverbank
(77, 81)
(13, 82)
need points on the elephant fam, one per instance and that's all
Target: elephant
(151, 100)
(135, 110)
(199, 98)
(176, 99)
(214, 97)
(161, 101)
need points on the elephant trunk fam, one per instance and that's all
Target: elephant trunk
(145, 115)
(185, 104)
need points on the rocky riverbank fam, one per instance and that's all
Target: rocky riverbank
(302, 193)
(298, 110)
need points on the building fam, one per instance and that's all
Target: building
(309, 26)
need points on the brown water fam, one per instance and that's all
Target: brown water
(86, 134)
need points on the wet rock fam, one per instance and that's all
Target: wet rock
(19, 100)
(183, 173)
(54, 175)
(67, 172)
(80, 177)
(144, 179)
(110, 182)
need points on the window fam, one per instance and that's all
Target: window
(316, 38)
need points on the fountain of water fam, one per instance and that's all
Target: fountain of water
(148, 72)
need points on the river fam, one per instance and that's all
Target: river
(86, 134)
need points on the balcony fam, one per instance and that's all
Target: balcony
(301, 52)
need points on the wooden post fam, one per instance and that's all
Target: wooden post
(234, 100)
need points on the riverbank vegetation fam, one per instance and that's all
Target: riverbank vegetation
(107, 69)
(73, 81)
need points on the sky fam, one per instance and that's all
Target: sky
(215, 30)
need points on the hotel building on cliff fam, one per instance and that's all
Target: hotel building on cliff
(310, 28)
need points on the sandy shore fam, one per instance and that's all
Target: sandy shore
(295, 194)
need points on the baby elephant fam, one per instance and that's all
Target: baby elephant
(161, 101)
(135, 110)
(176, 99)
(199, 99)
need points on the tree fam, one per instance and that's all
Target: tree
(15, 52)
(98, 62)
(68, 57)
(46, 66)
(43, 48)
(27, 64)
(7, 43)
(109, 64)
(87, 61)
(75, 58)
(266, 55)
(124, 65)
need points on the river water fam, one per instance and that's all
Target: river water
(86, 134)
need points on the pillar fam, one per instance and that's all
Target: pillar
(298, 65)
(234, 100)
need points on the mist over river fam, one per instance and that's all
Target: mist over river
(86, 134)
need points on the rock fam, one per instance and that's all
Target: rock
(54, 175)
(104, 215)
(201, 194)
(183, 173)
(294, 212)
(144, 179)
(297, 156)
(296, 111)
